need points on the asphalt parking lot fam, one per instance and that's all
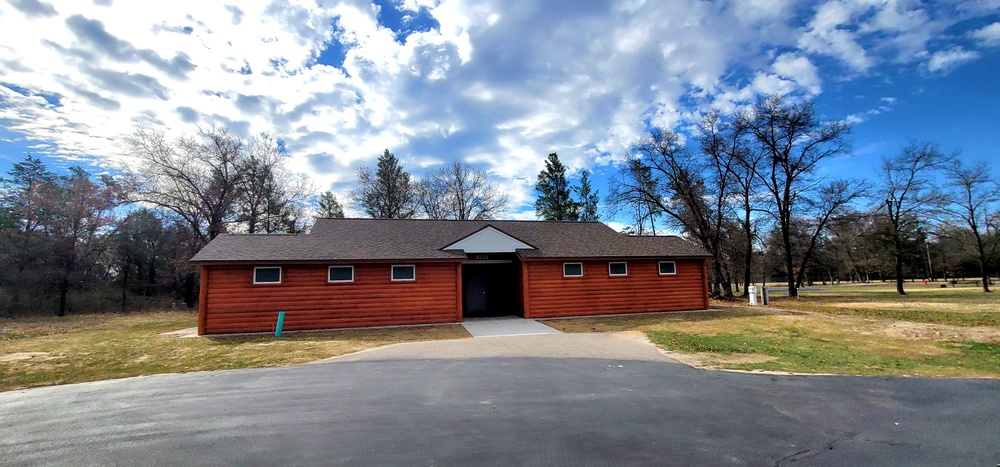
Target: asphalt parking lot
(591, 399)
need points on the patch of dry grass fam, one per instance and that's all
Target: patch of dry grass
(962, 306)
(47, 350)
(745, 338)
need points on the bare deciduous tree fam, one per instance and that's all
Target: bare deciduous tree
(905, 181)
(459, 191)
(832, 200)
(794, 142)
(272, 198)
(216, 181)
(727, 144)
(679, 189)
(628, 194)
(975, 198)
(197, 178)
(432, 196)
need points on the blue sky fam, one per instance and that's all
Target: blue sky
(498, 84)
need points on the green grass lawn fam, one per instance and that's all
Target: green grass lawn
(48, 350)
(793, 349)
(863, 330)
(960, 306)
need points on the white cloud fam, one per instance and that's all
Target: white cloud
(862, 33)
(800, 70)
(988, 36)
(827, 34)
(617, 226)
(946, 60)
(497, 84)
(763, 11)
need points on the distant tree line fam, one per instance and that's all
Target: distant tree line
(120, 241)
(747, 187)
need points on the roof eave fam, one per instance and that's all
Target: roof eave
(241, 262)
(610, 257)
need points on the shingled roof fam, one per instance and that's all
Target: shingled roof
(420, 239)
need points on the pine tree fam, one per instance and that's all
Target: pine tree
(386, 193)
(329, 206)
(554, 201)
(588, 198)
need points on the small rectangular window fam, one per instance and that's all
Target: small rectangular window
(572, 269)
(668, 267)
(340, 274)
(406, 272)
(618, 269)
(267, 275)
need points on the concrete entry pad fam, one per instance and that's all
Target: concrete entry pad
(505, 326)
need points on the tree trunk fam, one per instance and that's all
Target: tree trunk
(747, 270)
(151, 278)
(793, 291)
(748, 261)
(724, 286)
(985, 273)
(190, 295)
(899, 264)
(125, 289)
(981, 255)
(63, 292)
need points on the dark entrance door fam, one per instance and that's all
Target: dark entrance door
(489, 289)
(474, 290)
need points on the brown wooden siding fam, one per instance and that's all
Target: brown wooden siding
(642, 290)
(234, 304)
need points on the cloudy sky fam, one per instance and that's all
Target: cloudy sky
(498, 84)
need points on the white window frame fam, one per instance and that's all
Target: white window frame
(572, 275)
(625, 263)
(660, 270)
(392, 271)
(339, 266)
(281, 274)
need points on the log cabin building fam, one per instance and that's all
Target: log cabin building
(377, 272)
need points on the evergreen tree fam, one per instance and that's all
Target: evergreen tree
(329, 206)
(23, 193)
(588, 198)
(386, 193)
(554, 201)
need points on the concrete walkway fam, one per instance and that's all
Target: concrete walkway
(505, 326)
(617, 347)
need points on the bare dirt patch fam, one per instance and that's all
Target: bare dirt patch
(713, 361)
(21, 356)
(916, 331)
(913, 305)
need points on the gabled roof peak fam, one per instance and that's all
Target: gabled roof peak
(489, 239)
